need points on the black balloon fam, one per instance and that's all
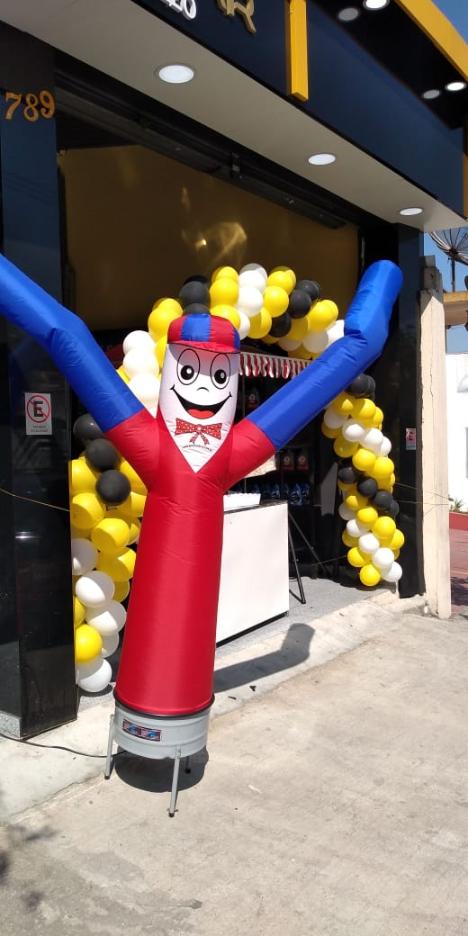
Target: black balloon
(310, 287)
(368, 487)
(348, 475)
(299, 303)
(101, 454)
(360, 386)
(371, 386)
(113, 487)
(196, 308)
(196, 279)
(394, 509)
(280, 325)
(383, 500)
(85, 429)
(194, 292)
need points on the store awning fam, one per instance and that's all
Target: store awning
(254, 364)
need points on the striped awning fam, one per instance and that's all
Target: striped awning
(253, 364)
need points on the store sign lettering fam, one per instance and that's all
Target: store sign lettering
(188, 8)
(245, 9)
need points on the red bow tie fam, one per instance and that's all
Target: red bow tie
(198, 431)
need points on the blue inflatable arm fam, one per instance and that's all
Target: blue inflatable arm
(70, 344)
(285, 413)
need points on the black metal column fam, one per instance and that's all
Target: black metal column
(37, 685)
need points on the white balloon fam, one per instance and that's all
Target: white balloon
(244, 326)
(109, 645)
(140, 361)
(383, 558)
(107, 619)
(288, 344)
(368, 543)
(138, 339)
(84, 556)
(94, 589)
(394, 573)
(146, 388)
(316, 342)
(94, 676)
(254, 268)
(335, 331)
(354, 432)
(373, 440)
(385, 447)
(334, 420)
(346, 513)
(250, 300)
(356, 529)
(253, 278)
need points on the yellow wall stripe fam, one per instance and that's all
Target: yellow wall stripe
(440, 31)
(298, 58)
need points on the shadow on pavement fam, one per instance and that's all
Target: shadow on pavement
(155, 776)
(295, 649)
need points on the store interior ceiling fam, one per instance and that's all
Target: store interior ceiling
(130, 44)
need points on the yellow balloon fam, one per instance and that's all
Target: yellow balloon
(133, 506)
(330, 433)
(136, 483)
(160, 350)
(79, 611)
(343, 404)
(369, 575)
(363, 409)
(123, 375)
(356, 558)
(357, 502)
(75, 533)
(275, 300)
(85, 511)
(298, 330)
(81, 478)
(121, 591)
(367, 515)
(227, 312)
(224, 291)
(364, 460)
(396, 553)
(392, 478)
(384, 528)
(260, 324)
(283, 277)
(88, 643)
(302, 353)
(163, 313)
(343, 448)
(398, 540)
(120, 568)
(347, 539)
(226, 272)
(377, 418)
(268, 339)
(383, 467)
(135, 527)
(111, 536)
(350, 488)
(323, 313)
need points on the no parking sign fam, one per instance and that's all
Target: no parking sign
(38, 412)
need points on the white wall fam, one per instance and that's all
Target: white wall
(457, 425)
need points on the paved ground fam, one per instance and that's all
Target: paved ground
(335, 804)
(459, 569)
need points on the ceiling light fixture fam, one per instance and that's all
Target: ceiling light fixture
(348, 14)
(455, 86)
(175, 74)
(375, 4)
(431, 94)
(411, 211)
(322, 159)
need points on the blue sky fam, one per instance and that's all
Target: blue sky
(457, 340)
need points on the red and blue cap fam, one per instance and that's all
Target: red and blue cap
(206, 331)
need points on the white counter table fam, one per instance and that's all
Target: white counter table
(254, 569)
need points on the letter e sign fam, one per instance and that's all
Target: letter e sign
(38, 412)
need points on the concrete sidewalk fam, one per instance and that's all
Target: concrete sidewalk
(334, 805)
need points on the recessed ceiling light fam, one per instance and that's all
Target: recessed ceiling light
(431, 94)
(176, 74)
(348, 14)
(375, 4)
(322, 159)
(411, 211)
(455, 86)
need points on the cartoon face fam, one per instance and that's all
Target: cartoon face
(198, 399)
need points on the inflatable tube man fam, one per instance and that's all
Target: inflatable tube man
(188, 457)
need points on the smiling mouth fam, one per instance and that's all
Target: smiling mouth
(200, 411)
